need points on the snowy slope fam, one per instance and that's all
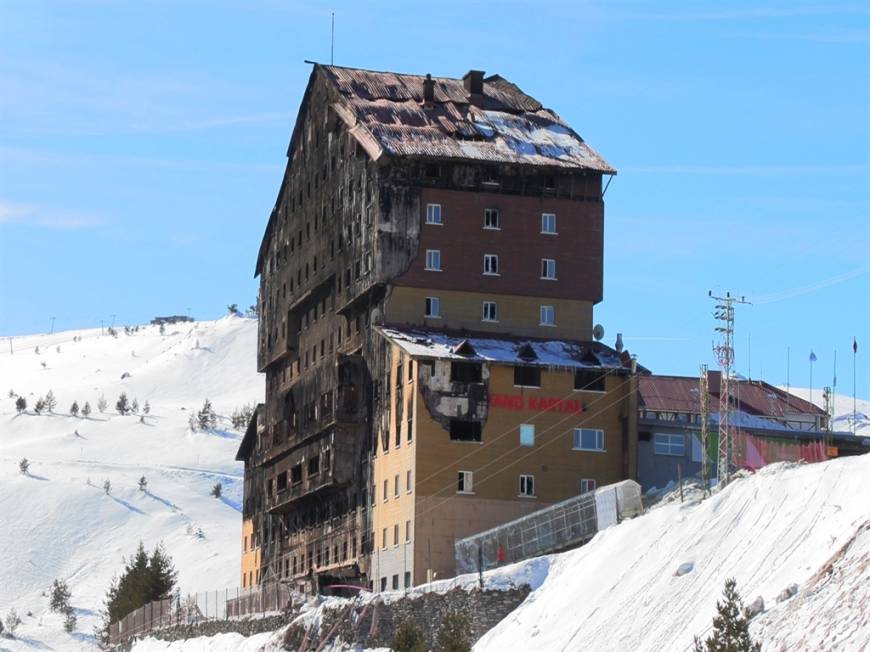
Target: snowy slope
(56, 525)
(845, 419)
(768, 531)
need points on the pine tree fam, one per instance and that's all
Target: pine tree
(60, 596)
(730, 625)
(74, 409)
(39, 406)
(69, 621)
(162, 329)
(454, 634)
(206, 417)
(134, 406)
(107, 486)
(146, 408)
(122, 406)
(102, 404)
(86, 410)
(50, 401)
(21, 404)
(233, 308)
(36, 350)
(143, 484)
(12, 621)
(11, 393)
(217, 490)
(24, 466)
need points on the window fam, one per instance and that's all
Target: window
(433, 214)
(433, 260)
(383, 584)
(527, 376)
(527, 485)
(548, 223)
(697, 450)
(433, 307)
(396, 486)
(669, 444)
(490, 264)
(407, 579)
(527, 434)
(548, 316)
(408, 481)
(464, 430)
(588, 439)
(465, 372)
(296, 474)
(384, 538)
(490, 218)
(386, 490)
(396, 534)
(465, 484)
(548, 269)
(407, 531)
(587, 485)
(489, 311)
(589, 380)
(314, 465)
(396, 582)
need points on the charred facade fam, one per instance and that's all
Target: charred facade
(406, 201)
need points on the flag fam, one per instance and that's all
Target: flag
(813, 357)
(854, 345)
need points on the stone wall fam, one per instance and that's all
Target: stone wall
(373, 623)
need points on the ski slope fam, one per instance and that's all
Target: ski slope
(58, 522)
(845, 418)
(778, 527)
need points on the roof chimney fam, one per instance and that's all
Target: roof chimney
(473, 82)
(428, 92)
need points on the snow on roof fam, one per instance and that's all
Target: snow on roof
(425, 343)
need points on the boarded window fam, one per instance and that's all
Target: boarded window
(527, 376)
(590, 380)
(465, 372)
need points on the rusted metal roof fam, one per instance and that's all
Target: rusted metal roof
(385, 112)
(682, 394)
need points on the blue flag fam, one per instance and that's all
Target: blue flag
(813, 357)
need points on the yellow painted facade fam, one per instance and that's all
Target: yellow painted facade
(250, 556)
(517, 315)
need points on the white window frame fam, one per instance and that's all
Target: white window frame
(548, 269)
(490, 265)
(467, 482)
(587, 485)
(487, 212)
(525, 481)
(527, 434)
(494, 318)
(544, 312)
(433, 214)
(433, 308)
(665, 443)
(546, 228)
(433, 260)
(578, 440)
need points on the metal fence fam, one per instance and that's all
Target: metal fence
(193, 608)
(557, 527)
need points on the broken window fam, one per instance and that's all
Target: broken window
(527, 376)
(314, 465)
(281, 483)
(296, 474)
(590, 380)
(465, 372)
(461, 430)
(465, 482)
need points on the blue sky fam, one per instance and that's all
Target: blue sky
(142, 145)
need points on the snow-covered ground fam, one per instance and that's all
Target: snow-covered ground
(57, 521)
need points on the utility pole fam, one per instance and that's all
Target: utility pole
(724, 349)
(829, 411)
(704, 391)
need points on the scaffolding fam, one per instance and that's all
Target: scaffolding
(564, 525)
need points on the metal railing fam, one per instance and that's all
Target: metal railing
(194, 608)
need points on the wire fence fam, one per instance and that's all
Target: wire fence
(194, 608)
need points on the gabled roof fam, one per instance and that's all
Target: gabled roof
(426, 343)
(385, 113)
(249, 440)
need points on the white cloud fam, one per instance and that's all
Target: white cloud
(47, 216)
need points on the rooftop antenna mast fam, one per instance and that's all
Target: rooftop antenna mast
(724, 350)
(705, 416)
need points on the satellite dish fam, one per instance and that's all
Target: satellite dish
(598, 332)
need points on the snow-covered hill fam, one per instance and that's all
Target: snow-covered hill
(845, 418)
(58, 522)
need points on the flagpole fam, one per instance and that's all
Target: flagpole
(787, 375)
(854, 385)
(834, 393)
(811, 376)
